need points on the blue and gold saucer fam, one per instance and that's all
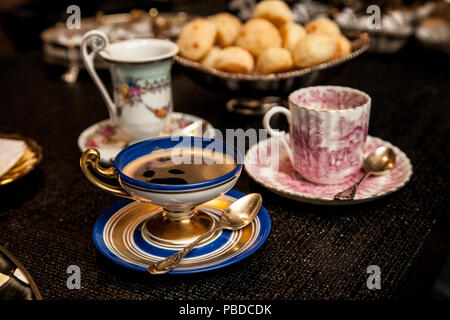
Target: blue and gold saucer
(120, 235)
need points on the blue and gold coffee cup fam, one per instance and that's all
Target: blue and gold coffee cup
(175, 173)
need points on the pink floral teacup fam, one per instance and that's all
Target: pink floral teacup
(140, 72)
(328, 129)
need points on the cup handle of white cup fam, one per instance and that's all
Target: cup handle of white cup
(282, 135)
(97, 41)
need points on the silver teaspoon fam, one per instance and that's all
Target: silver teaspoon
(380, 160)
(239, 214)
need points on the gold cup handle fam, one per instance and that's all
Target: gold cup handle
(91, 158)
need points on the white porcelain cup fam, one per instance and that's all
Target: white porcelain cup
(140, 72)
(327, 132)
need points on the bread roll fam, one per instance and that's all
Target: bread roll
(343, 47)
(277, 12)
(196, 38)
(274, 60)
(313, 49)
(257, 35)
(228, 27)
(234, 59)
(323, 25)
(211, 57)
(291, 33)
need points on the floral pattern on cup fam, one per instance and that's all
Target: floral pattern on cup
(131, 91)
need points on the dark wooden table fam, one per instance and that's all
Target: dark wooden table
(313, 252)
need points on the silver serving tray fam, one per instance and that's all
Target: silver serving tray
(263, 85)
(434, 38)
(62, 46)
(385, 41)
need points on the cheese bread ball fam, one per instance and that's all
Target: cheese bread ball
(291, 33)
(274, 60)
(257, 35)
(313, 49)
(228, 27)
(211, 57)
(323, 25)
(196, 39)
(234, 59)
(343, 47)
(277, 12)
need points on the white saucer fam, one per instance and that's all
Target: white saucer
(110, 140)
(286, 182)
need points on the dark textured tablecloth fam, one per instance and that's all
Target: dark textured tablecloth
(313, 252)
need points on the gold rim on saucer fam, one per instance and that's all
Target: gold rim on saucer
(31, 158)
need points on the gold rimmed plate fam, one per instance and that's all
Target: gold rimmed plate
(31, 158)
(119, 234)
(15, 281)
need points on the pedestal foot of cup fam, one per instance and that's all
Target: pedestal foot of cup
(166, 231)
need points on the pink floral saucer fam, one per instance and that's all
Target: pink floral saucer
(110, 140)
(288, 183)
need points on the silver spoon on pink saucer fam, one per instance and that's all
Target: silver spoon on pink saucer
(377, 162)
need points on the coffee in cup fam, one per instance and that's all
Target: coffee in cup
(162, 167)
